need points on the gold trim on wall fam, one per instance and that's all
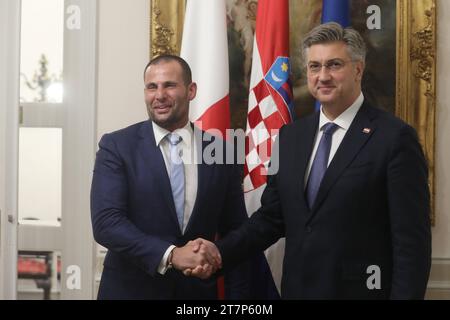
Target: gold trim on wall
(416, 64)
(166, 26)
(416, 75)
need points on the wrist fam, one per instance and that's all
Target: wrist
(169, 260)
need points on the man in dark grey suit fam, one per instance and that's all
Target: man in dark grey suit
(351, 192)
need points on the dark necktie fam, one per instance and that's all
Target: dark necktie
(320, 163)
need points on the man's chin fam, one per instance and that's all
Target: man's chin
(162, 122)
(325, 98)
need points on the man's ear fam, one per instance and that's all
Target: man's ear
(192, 91)
(359, 65)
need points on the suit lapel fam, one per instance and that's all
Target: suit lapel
(153, 157)
(303, 150)
(358, 134)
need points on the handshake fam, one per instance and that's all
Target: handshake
(199, 258)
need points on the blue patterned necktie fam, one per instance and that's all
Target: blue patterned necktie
(176, 176)
(320, 163)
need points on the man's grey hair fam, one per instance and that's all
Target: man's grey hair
(332, 32)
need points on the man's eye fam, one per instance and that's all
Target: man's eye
(335, 65)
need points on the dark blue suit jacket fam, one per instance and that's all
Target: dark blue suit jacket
(133, 215)
(372, 209)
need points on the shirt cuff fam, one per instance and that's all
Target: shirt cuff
(162, 268)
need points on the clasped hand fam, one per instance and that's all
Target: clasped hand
(199, 258)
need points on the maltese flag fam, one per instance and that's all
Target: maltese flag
(205, 48)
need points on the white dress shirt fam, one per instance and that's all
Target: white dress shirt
(187, 147)
(344, 120)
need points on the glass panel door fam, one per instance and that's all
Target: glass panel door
(47, 130)
(41, 131)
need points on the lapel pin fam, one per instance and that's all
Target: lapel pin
(366, 130)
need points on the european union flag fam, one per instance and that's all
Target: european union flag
(337, 11)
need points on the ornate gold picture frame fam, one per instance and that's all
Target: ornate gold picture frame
(416, 76)
(415, 92)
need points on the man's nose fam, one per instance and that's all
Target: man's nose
(324, 74)
(160, 93)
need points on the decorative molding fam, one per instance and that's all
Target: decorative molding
(163, 36)
(166, 26)
(424, 52)
(416, 76)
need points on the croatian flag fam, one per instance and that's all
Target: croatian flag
(269, 108)
(205, 48)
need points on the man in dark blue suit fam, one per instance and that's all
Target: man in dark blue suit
(151, 195)
(351, 192)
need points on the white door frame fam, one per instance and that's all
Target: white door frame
(9, 120)
(79, 146)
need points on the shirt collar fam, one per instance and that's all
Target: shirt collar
(345, 119)
(186, 133)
